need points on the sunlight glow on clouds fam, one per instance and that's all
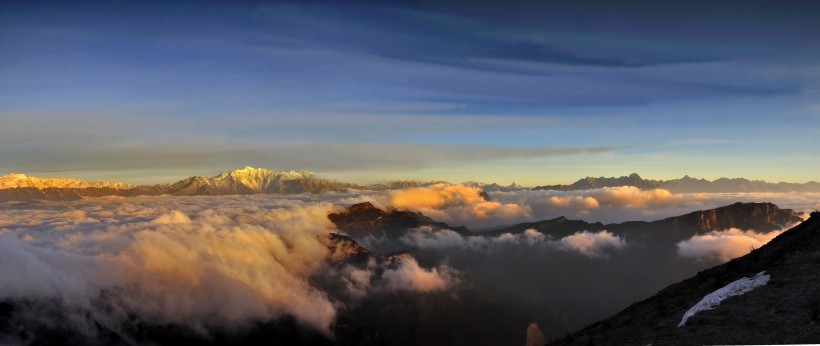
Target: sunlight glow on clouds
(725, 245)
(250, 257)
(162, 258)
(627, 203)
(455, 203)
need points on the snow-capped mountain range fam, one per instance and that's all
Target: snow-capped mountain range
(245, 181)
(17, 180)
(251, 180)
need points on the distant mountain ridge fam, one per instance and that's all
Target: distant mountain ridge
(685, 184)
(249, 180)
(245, 181)
(761, 217)
(17, 180)
(363, 220)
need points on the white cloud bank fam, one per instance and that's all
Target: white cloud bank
(457, 204)
(593, 244)
(725, 245)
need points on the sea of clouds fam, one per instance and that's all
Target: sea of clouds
(228, 260)
(197, 261)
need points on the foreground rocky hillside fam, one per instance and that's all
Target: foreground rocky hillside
(568, 283)
(786, 309)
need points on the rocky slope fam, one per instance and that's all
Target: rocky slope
(784, 310)
(685, 184)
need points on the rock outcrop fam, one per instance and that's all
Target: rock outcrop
(364, 219)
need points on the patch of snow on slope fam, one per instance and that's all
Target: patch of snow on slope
(736, 288)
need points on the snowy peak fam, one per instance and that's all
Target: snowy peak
(249, 173)
(254, 179)
(250, 180)
(17, 180)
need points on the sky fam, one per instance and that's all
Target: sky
(531, 92)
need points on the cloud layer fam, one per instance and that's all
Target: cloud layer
(254, 258)
(628, 203)
(455, 204)
(201, 262)
(458, 204)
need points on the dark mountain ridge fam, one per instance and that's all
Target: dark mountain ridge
(761, 217)
(785, 310)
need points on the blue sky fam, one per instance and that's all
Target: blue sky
(529, 92)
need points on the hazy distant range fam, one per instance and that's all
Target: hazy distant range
(249, 180)
(686, 184)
